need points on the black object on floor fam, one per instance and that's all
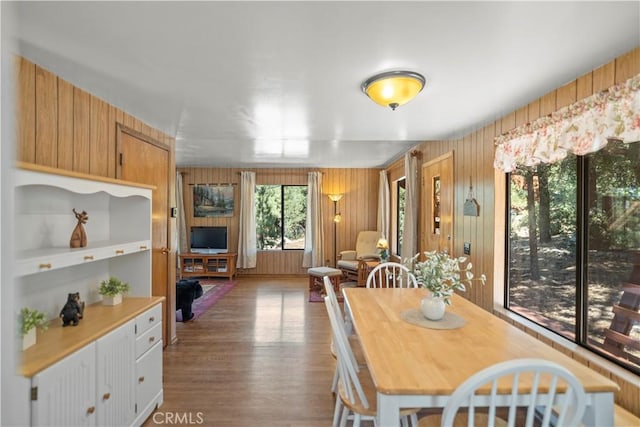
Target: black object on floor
(187, 290)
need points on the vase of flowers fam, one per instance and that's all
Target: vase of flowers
(112, 290)
(30, 320)
(383, 245)
(441, 275)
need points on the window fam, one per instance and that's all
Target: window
(281, 216)
(401, 189)
(574, 249)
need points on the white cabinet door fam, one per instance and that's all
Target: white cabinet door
(115, 372)
(65, 393)
(149, 381)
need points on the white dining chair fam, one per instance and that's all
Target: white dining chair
(356, 397)
(391, 275)
(554, 396)
(354, 342)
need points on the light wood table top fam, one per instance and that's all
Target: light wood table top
(405, 359)
(57, 341)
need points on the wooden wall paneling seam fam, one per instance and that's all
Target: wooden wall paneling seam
(65, 125)
(46, 118)
(26, 106)
(81, 129)
(98, 136)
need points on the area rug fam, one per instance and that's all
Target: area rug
(212, 290)
(316, 296)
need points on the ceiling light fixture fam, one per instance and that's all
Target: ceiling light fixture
(393, 88)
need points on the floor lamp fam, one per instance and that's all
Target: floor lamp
(336, 219)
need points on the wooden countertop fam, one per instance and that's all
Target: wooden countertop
(57, 342)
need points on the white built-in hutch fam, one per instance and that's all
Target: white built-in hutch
(108, 369)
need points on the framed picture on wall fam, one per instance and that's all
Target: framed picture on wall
(213, 200)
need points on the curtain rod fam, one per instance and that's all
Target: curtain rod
(215, 183)
(287, 173)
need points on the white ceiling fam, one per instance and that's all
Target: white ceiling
(277, 84)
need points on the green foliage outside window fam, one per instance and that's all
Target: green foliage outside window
(281, 216)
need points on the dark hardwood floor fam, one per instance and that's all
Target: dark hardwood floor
(259, 356)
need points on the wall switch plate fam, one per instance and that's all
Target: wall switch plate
(467, 248)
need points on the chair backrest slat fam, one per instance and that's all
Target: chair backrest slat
(550, 386)
(391, 275)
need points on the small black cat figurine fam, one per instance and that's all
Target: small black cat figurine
(71, 313)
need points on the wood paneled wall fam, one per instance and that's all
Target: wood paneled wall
(358, 207)
(62, 126)
(473, 162)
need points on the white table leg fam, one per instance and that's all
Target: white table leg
(600, 412)
(388, 410)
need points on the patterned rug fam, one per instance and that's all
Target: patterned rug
(212, 290)
(316, 296)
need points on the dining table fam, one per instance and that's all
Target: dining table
(416, 363)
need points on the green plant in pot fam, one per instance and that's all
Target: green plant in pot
(441, 275)
(30, 319)
(112, 290)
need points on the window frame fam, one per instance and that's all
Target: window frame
(581, 332)
(282, 216)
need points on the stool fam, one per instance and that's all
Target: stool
(316, 275)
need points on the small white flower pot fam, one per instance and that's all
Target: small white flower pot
(29, 339)
(114, 300)
(433, 308)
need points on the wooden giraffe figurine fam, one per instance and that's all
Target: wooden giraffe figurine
(79, 236)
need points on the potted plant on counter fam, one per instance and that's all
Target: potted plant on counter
(112, 290)
(30, 320)
(441, 275)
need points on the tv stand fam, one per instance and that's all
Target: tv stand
(208, 265)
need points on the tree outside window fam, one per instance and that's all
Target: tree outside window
(281, 215)
(574, 245)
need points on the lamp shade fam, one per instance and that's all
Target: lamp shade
(393, 88)
(335, 197)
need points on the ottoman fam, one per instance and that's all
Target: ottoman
(316, 275)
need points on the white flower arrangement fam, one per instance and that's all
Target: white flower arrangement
(441, 274)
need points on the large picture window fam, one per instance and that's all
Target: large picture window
(574, 249)
(281, 216)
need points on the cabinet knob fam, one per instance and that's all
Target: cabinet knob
(164, 250)
(142, 248)
(152, 339)
(88, 257)
(152, 318)
(141, 379)
(106, 396)
(91, 409)
(119, 251)
(47, 265)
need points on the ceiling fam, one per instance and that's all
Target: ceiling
(277, 84)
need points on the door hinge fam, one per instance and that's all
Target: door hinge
(121, 158)
(136, 408)
(34, 393)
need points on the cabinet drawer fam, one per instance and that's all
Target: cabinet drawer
(148, 339)
(149, 376)
(148, 319)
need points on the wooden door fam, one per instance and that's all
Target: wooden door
(144, 160)
(438, 200)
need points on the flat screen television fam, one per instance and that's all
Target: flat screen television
(209, 240)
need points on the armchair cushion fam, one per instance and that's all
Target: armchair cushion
(365, 250)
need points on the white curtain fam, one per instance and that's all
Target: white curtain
(410, 236)
(314, 236)
(247, 242)
(383, 205)
(182, 222)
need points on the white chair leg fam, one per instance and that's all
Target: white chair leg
(336, 412)
(414, 420)
(345, 415)
(334, 384)
(404, 421)
(356, 420)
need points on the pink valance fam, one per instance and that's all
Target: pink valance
(583, 127)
